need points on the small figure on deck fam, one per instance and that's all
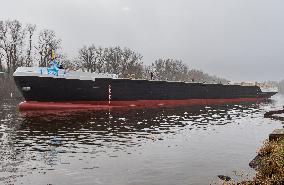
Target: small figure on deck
(151, 75)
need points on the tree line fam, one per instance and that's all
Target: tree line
(279, 85)
(18, 46)
(22, 45)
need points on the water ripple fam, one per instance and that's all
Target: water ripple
(37, 141)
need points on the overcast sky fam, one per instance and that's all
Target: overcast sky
(241, 40)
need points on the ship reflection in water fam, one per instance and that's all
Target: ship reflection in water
(184, 145)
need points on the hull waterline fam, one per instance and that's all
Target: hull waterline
(99, 105)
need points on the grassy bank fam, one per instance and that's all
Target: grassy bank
(8, 89)
(270, 165)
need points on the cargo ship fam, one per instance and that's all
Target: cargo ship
(43, 90)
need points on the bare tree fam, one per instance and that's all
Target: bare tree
(177, 70)
(17, 42)
(112, 60)
(281, 86)
(200, 76)
(122, 62)
(30, 29)
(87, 55)
(1, 62)
(100, 59)
(131, 63)
(12, 36)
(68, 63)
(170, 69)
(47, 42)
(147, 73)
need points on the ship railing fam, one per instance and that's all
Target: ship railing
(61, 73)
(269, 89)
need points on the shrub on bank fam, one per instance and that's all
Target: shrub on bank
(270, 167)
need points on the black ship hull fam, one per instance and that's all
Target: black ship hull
(60, 93)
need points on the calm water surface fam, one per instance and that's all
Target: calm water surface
(185, 145)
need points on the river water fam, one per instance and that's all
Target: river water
(185, 145)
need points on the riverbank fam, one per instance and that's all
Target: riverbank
(269, 165)
(269, 162)
(8, 89)
(270, 169)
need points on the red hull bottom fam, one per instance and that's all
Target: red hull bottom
(34, 105)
